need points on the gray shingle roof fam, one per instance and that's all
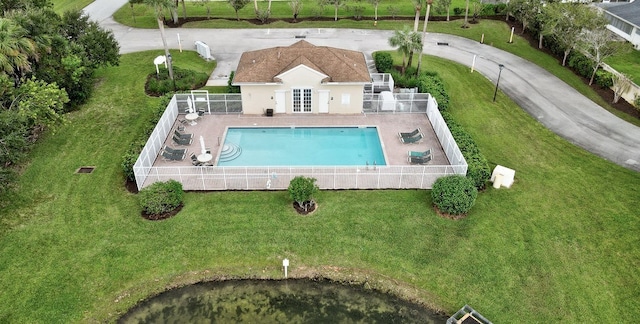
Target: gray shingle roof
(629, 12)
(339, 65)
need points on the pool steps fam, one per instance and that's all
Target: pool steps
(230, 152)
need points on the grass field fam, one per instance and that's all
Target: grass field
(560, 245)
(60, 6)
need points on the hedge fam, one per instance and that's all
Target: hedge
(161, 197)
(454, 195)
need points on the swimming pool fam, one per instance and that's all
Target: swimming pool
(301, 146)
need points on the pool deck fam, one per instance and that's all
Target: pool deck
(212, 128)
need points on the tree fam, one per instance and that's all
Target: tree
(184, 10)
(525, 11)
(99, 46)
(159, 6)
(375, 4)
(621, 84)
(569, 22)
(296, 6)
(417, 6)
(207, 3)
(443, 6)
(237, 5)
(424, 33)
(466, 16)
(406, 41)
(41, 104)
(15, 49)
(131, 3)
(598, 45)
(335, 3)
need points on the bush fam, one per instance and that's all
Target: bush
(184, 79)
(478, 170)
(131, 155)
(636, 102)
(384, 61)
(230, 87)
(458, 11)
(301, 189)
(581, 64)
(500, 8)
(604, 79)
(454, 195)
(432, 83)
(161, 197)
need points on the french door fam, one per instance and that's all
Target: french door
(301, 100)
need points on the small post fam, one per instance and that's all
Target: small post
(511, 37)
(482, 39)
(473, 63)
(179, 43)
(501, 66)
(285, 264)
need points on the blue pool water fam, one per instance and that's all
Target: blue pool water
(301, 146)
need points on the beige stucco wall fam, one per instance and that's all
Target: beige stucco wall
(256, 98)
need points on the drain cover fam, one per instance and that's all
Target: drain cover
(85, 169)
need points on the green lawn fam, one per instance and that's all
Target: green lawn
(628, 64)
(60, 6)
(560, 245)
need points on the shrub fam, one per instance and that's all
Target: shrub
(500, 8)
(581, 64)
(604, 79)
(432, 83)
(454, 194)
(384, 61)
(478, 167)
(184, 79)
(458, 11)
(230, 87)
(161, 197)
(636, 102)
(130, 156)
(301, 189)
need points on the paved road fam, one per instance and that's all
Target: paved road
(552, 102)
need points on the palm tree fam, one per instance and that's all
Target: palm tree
(424, 32)
(15, 48)
(406, 41)
(417, 4)
(159, 6)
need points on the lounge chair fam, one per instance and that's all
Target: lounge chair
(410, 134)
(413, 139)
(419, 153)
(183, 136)
(168, 156)
(174, 151)
(419, 160)
(182, 141)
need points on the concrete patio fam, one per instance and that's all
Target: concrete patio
(213, 127)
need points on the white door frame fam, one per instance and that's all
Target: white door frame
(281, 101)
(323, 101)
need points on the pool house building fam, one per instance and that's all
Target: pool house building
(293, 88)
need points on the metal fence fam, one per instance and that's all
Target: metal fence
(339, 177)
(396, 103)
(218, 103)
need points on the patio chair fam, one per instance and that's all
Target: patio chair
(412, 140)
(182, 141)
(419, 153)
(182, 136)
(168, 156)
(174, 151)
(194, 160)
(410, 134)
(419, 160)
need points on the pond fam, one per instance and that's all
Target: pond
(277, 301)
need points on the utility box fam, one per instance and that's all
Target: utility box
(204, 50)
(502, 177)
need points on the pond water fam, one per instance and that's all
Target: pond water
(277, 301)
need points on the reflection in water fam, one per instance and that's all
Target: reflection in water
(277, 301)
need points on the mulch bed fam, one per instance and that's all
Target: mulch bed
(311, 207)
(155, 217)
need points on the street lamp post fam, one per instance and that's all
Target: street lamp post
(501, 66)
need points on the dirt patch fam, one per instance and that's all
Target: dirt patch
(155, 217)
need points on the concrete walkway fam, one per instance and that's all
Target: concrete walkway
(548, 99)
